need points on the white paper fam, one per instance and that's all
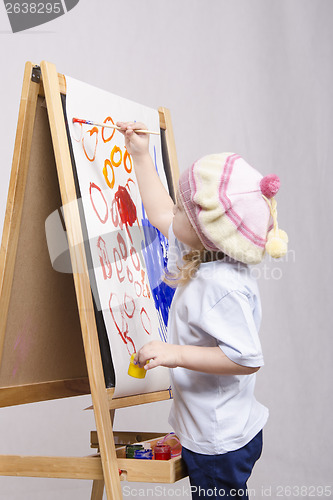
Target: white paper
(115, 224)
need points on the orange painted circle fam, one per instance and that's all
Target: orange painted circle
(115, 151)
(127, 157)
(108, 119)
(91, 132)
(106, 176)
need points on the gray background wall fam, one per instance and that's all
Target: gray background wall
(253, 77)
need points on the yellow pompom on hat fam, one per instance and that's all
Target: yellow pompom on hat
(232, 208)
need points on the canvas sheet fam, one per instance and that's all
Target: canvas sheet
(128, 254)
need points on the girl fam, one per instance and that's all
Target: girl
(220, 223)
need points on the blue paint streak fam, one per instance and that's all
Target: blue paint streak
(154, 250)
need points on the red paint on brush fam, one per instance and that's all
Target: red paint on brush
(79, 120)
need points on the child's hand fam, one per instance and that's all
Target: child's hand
(136, 144)
(158, 354)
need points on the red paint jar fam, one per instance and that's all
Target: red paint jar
(162, 452)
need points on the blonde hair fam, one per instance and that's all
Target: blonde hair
(192, 262)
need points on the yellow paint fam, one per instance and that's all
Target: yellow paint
(135, 370)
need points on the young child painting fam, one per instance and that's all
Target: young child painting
(223, 221)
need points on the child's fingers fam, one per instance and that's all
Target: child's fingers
(152, 363)
(140, 358)
(138, 126)
(122, 128)
(130, 126)
(123, 125)
(136, 358)
(129, 132)
(148, 356)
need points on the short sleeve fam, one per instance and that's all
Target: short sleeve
(232, 323)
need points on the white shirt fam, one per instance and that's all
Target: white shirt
(213, 414)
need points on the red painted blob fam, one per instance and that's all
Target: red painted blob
(126, 207)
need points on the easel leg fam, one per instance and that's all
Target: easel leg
(97, 490)
(98, 486)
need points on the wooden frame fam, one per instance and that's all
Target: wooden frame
(87, 375)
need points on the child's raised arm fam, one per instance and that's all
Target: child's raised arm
(156, 200)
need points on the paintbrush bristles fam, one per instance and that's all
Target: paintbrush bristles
(96, 124)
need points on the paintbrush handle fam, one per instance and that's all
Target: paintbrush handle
(96, 124)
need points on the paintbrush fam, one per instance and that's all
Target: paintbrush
(89, 122)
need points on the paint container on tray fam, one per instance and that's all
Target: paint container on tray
(132, 448)
(145, 454)
(135, 370)
(162, 451)
(172, 440)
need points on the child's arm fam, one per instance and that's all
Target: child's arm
(197, 358)
(156, 200)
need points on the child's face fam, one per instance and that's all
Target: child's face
(183, 228)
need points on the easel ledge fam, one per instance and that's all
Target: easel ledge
(41, 142)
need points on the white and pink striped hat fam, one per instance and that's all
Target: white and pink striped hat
(229, 204)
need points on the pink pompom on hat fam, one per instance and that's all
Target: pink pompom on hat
(231, 207)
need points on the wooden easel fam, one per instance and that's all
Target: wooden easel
(50, 314)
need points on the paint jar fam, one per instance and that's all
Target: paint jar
(162, 451)
(135, 370)
(144, 454)
(172, 440)
(131, 449)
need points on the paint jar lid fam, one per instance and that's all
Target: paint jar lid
(132, 448)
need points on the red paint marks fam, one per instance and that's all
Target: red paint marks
(126, 207)
(98, 189)
(145, 321)
(122, 246)
(129, 305)
(145, 287)
(129, 275)
(118, 316)
(125, 266)
(119, 265)
(91, 146)
(138, 288)
(78, 132)
(135, 258)
(114, 213)
(104, 258)
(123, 213)
(119, 258)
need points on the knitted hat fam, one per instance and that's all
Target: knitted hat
(231, 207)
